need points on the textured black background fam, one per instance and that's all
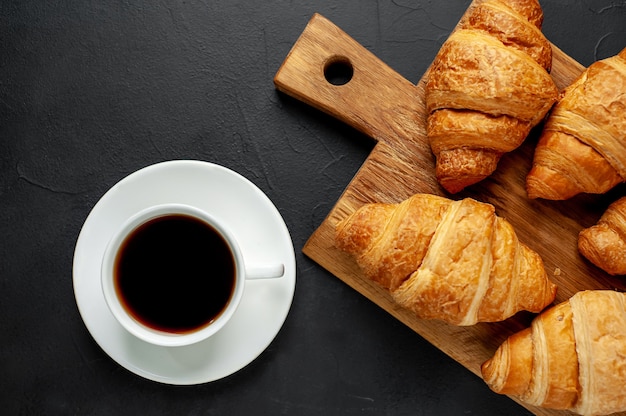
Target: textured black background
(91, 91)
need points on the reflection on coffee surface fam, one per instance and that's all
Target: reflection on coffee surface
(175, 273)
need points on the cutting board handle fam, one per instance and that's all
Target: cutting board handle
(375, 100)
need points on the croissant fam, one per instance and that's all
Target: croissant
(582, 148)
(573, 356)
(487, 87)
(454, 261)
(604, 244)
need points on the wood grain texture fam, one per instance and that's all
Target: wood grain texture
(382, 104)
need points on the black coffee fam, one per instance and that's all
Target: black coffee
(175, 273)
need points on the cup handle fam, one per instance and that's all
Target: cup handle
(269, 271)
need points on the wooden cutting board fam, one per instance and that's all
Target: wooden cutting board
(382, 104)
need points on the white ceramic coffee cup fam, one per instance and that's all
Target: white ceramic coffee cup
(243, 272)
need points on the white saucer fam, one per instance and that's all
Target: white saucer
(262, 235)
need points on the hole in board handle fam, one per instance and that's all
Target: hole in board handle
(338, 70)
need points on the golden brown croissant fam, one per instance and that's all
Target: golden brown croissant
(582, 148)
(450, 260)
(487, 87)
(604, 244)
(572, 357)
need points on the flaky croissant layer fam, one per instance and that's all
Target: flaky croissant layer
(450, 260)
(573, 357)
(582, 148)
(487, 87)
(604, 244)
